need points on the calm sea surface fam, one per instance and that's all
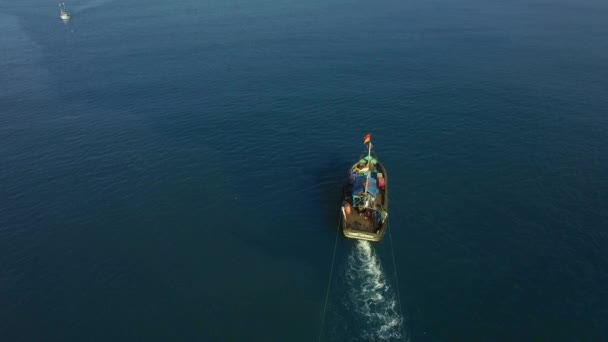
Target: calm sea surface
(171, 170)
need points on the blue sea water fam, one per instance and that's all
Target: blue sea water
(171, 170)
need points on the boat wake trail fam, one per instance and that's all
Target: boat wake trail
(370, 298)
(91, 4)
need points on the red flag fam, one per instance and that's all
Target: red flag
(367, 138)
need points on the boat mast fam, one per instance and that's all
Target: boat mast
(369, 162)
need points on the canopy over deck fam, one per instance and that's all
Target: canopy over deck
(359, 186)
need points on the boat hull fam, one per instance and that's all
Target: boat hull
(354, 225)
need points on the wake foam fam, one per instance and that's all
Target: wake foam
(91, 5)
(370, 298)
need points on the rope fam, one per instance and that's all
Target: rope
(331, 271)
(390, 235)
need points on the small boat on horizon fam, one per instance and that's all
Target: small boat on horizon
(365, 198)
(64, 14)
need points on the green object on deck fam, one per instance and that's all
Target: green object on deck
(364, 160)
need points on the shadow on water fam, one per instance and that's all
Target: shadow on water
(330, 177)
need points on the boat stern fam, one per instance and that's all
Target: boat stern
(362, 235)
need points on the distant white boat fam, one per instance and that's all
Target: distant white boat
(63, 12)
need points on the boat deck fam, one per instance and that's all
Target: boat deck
(362, 220)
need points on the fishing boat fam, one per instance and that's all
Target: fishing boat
(365, 198)
(64, 14)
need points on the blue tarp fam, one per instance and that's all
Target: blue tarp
(359, 186)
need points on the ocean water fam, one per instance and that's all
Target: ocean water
(171, 170)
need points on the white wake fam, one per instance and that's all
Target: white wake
(91, 5)
(371, 299)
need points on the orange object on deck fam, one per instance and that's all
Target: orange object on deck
(347, 209)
